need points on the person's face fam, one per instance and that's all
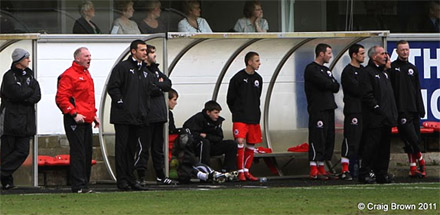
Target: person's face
(360, 56)
(381, 57)
(327, 55)
(23, 64)
(151, 57)
(84, 58)
(195, 10)
(434, 11)
(157, 11)
(128, 12)
(254, 62)
(403, 51)
(214, 114)
(172, 102)
(140, 53)
(90, 12)
(258, 11)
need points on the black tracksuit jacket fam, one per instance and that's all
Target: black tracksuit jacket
(202, 123)
(243, 97)
(320, 85)
(133, 85)
(158, 107)
(406, 85)
(350, 81)
(20, 92)
(378, 105)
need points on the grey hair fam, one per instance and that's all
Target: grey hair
(85, 6)
(372, 51)
(78, 52)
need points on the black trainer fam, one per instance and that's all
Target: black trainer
(346, 176)
(166, 181)
(8, 187)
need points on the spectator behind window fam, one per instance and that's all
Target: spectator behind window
(151, 23)
(193, 22)
(253, 20)
(84, 25)
(123, 24)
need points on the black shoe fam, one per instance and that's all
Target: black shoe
(138, 186)
(367, 180)
(386, 179)
(166, 181)
(346, 176)
(123, 186)
(83, 190)
(8, 187)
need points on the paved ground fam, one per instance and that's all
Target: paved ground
(271, 182)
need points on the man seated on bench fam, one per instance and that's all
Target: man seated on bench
(206, 128)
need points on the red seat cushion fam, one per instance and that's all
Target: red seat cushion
(433, 125)
(426, 130)
(299, 148)
(43, 159)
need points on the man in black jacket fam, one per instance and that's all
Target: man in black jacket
(157, 117)
(406, 85)
(130, 86)
(206, 128)
(379, 114)
(350, 79)
(320, 85)
(243, 98)
(19, 93)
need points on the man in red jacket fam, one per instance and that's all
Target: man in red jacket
(76, 99)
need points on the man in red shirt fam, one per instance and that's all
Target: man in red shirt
(76, 99)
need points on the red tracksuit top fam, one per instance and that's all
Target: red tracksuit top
(76, 85)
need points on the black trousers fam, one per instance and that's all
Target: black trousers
(81, 150)
(128, 146)
(154, 142)
(376, 152)
(205, 149)
(352, 136)
(321, 135)
(14, 151)
(409, 131)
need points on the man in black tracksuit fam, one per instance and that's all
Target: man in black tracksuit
(206, 127)
(320, 85)
(19, 93)
(130, 86)
(157, 117)
(350, 79)
(243, 98)
(379, 114)
(406, 85)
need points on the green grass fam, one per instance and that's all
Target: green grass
(289, 200)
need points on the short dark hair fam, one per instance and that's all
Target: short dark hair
(212, 105)
(249, 7)
(150, 48)
(400, 42)
(249, 56)
(134, 44)
(172, 93)
(354, 49)
(188, 5)
(322, 47)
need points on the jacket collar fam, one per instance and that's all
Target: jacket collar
(134, 61)
(78, 67)
(218, 122)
